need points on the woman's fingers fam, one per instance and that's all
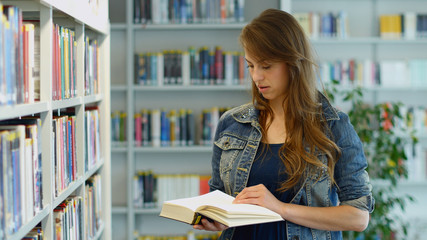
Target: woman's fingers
(251, 194)
(210, 226)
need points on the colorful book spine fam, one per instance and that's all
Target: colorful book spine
(138, 129)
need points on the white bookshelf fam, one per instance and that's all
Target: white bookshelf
(127, 97)
(84, 17)
(128, 38)
(364, 42)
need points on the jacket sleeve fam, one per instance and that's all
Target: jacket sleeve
(354, 188)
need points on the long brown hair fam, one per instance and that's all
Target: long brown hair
(276, 36)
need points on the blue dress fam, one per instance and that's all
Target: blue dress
(265, 170)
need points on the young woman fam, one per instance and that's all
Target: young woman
(289, 150)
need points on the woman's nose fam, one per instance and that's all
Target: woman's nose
(257, 74)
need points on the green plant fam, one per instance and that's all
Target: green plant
(384, 137)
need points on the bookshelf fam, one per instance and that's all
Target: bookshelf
(129, 38)
(364, 42)
(85, 19)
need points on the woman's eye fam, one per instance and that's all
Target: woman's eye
(250, 66)
(266, 67)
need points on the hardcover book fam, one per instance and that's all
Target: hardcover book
(219, 207)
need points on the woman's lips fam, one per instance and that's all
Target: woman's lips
(262, 89)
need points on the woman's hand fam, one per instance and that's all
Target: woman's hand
(210, 226)
(261, 196)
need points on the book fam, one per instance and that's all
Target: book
(217, 206)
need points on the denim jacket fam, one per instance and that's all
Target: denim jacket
(237, 138)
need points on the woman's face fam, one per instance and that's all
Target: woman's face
(271, 78)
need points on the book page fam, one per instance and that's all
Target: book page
(212, 198)
(239, 211)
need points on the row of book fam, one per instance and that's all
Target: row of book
(69, 215)
(159, 127)
(92, 138)
(190, 67)
(162, 128)
(151, 190)
(68, 219)
(35, 234)
(92, 67)
(64, 151)
(148, 128)
(64, 146)
(118, 128)
(64, 64)
(324, 25)
(189, 236)
(188, 11)
(93, 206)
(20, 173)
(367, 73)
(19, 58)
(408, 25)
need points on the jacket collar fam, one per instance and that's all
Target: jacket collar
(247, 113)
(329, 111)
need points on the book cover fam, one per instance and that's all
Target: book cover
(217, 206)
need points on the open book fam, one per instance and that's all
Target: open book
(217, 206)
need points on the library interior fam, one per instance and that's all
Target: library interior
(110, 108)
